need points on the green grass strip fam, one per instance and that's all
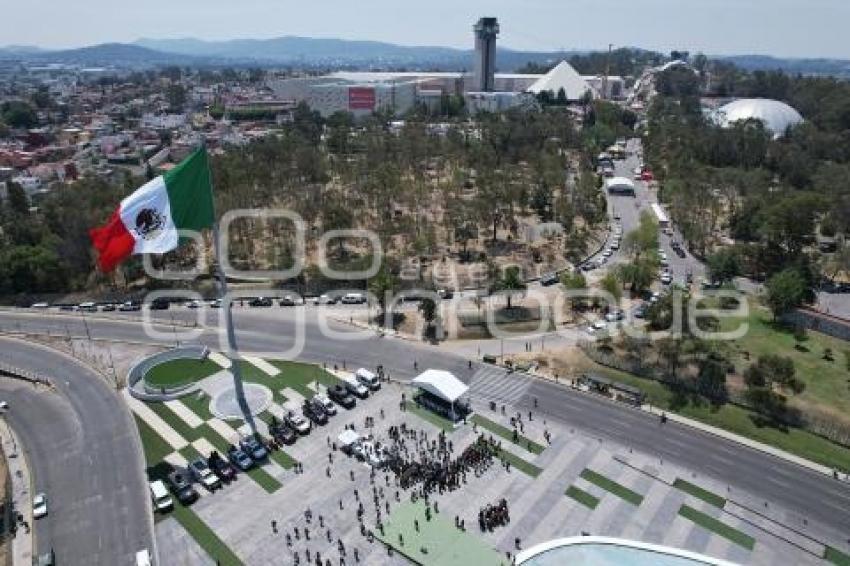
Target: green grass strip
(429, 416)
(717, 527)
(259, 475)
(611, 486)
(700, 493)
(283, 459)
(189, 452)
(199, 403)
(508, 434)
(582, 497)
(204, 536)
(520, 464)
(175, 422)
(836, 556)
(154, 446)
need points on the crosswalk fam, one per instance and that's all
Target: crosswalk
(495, 384)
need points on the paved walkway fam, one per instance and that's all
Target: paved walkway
(185, 414)
(220, 359)
(23, 543)
(262, 365)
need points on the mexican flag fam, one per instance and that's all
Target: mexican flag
(147, 221)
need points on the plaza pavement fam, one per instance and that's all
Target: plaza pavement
(241, 513)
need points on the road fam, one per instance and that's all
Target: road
(820, 500)
(84, 453)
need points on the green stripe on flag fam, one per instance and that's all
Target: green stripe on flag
(190, 192)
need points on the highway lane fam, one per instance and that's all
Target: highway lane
(84, 453)
(818, 498)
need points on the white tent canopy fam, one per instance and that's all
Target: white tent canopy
(441, 383)
(562, 76)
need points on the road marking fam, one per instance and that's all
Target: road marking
(220, 359)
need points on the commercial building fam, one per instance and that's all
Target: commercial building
(484, 90)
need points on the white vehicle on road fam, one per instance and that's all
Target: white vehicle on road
(39, 506)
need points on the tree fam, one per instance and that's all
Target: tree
(723, 265)
(428, 308)
(509, 282)
(383, 285)
(611, 285)
(18, 114)
(785, 291)
(711, 379)
(176, 97)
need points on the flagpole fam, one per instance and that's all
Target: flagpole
(232, 353)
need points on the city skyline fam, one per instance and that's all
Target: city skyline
(719, 27)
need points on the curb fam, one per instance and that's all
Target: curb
(23, 544)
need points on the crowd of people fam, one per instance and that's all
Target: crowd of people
(493, 516)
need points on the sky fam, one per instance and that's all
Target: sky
(787, 28)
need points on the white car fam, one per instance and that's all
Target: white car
(327, 404)
(607, 253)
(600, 325)
(298, 422)
(202, 473)
(666, 278)
(614, 316)
(39, 306)
(4, 406)
(39, 506)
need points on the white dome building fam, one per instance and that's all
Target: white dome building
(776, 116)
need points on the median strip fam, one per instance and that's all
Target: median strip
(508, 434)
(518, 463)
(709, 523)
(611, 486)
(582, 497)
(699, 493)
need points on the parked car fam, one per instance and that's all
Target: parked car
(108, 307)
(297, 422)
(287, 301)
(239, 458)
(221, 467)
(314, 412)
(195, 304)
(260, 302)
(39, 506)
(355, 387)
(445, 293)
(327, 404)
(282, 433)
(614, 315)
(353, 299)
(215, 303)
(159, 305)
(341, 396)
(130, 306)
(548, 279)
(326, 300)
(87, 306)
(252, 446)
(640, 311)
(39, 306)
(368, 379)
(159, 494)
(202, 473)
(666, 278)
(181, 485)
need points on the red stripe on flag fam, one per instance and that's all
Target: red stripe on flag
(112, 241)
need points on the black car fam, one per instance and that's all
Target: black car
(282, 433)
(287, 301)
(340, 395)
(221, 467)
(548, 279)
(180, 482)
(314, 412)
(260, 302)
(159, 305)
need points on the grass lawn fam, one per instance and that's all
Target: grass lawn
(520, 464)
(611, 486)
(507, 434)
(429, 416)
(717, 527)
(738, 420)
(582, 497)
(154, 446)
(179, 372)
(700, 493)
(295, 375)
(836, 557)
(437, 542)
(198, 403)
